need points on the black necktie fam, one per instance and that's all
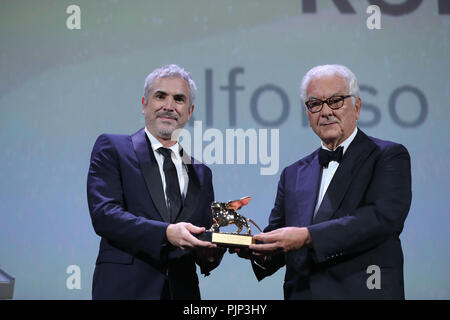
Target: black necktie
(326, 156)
(173, 193)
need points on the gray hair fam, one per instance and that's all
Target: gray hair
(170, 71)
(329, 70)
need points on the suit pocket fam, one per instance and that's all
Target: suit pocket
(114, 256)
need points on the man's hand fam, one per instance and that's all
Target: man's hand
(180, 235)
(285, 239)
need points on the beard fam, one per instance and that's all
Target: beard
(165, 133)
(163, 128)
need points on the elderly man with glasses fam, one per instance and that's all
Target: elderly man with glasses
(339, 211)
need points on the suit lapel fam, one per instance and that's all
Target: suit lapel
(307, 186)
(150, 170)
(193, 190)
(358, 150)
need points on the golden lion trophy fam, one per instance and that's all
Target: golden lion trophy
(224, 214)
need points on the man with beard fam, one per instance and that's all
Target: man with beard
(147, 198)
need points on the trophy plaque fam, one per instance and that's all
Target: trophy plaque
(224, 214)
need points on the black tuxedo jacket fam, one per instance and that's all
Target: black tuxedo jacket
(357, 225)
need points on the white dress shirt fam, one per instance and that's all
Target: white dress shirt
(328, 173)
(183, 178)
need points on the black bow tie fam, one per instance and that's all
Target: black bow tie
(326, 156)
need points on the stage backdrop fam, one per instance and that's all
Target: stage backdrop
(71, 70)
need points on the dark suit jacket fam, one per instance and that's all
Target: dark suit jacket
(129, 213)
(357, 225)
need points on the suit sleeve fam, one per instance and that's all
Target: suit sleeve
(207, 266)
(107, 206)
(271, 264)
(381, 215)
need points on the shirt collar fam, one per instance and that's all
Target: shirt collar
(176, 148)
(346, 142)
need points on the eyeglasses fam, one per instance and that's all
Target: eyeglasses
(334, 102)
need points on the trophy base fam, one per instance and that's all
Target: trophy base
(227, 239)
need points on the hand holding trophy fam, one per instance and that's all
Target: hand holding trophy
(224, 214)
